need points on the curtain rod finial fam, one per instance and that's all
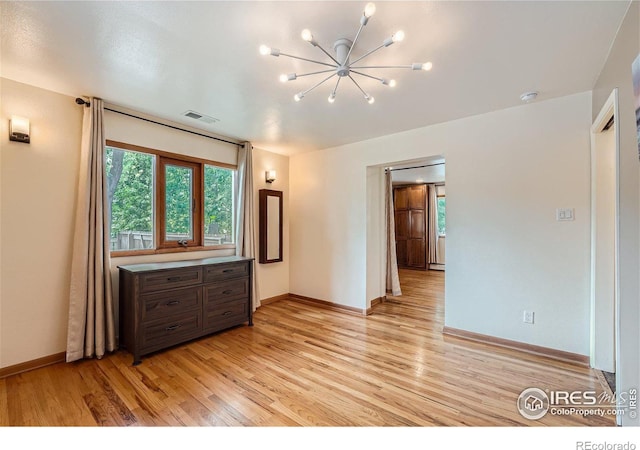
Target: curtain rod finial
(81, 101)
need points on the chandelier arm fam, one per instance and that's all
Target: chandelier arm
(327, 53)
(366, 75)
(383, 67)
(353, 44)
(335, 89)
(318, 84)
(309, 60)
(358, 86)
(314, 73)
(367, 54)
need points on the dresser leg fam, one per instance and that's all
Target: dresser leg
(250, 320)
(136, 360)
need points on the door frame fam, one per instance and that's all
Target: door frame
(609, 109)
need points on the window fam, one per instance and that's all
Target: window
(130, 198)
(164, 202)
(179, 203)
(218, 205)
(442, 203)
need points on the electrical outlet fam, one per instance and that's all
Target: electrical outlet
(527, 317)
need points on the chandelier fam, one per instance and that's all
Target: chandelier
(341, 64)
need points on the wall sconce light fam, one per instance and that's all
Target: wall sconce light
(19, 129)
(270, 176)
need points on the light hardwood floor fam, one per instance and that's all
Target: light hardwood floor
(302, 365)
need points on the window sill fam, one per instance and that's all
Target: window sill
(442, 236)
(162, 251)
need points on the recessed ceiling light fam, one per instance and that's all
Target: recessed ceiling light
(528, 96)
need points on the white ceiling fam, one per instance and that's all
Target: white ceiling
(164, 58)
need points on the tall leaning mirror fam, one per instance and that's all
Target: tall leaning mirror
(270, 245)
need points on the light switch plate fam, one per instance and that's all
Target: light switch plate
(528, 316)
(564, 214)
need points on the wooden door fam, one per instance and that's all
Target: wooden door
(402, 234)
(410, 217)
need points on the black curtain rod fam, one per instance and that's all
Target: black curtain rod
(417, 167)
(81, 101)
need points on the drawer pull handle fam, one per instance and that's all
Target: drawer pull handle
(227, 313)
(173, 327)
(227, 292)
(173, 279)
(227, 270)
(173, 302)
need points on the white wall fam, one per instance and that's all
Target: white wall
(617, 73)
(328, 237)
(505, 251)
(38, 189)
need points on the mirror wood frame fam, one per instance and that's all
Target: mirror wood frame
(264, 222)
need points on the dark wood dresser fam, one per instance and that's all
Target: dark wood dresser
(168, 303)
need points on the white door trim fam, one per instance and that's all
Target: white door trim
(609, 109)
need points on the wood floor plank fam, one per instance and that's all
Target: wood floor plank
(305, 365)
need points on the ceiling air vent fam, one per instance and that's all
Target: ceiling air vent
(200, 117)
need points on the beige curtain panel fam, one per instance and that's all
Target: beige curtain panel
(434, 254)
(245, 223)
(393, 280)
(91, 326)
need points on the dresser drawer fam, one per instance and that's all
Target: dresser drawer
(225, 271)
(169, 303)
(163, 333)
(224, 315)
(170, 279)
(226, 290)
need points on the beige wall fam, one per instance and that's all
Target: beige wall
(505, 250)
(122, 128)
(617, 74)
(37, 200)
(376, 227)
(273, 278)
(37, 207)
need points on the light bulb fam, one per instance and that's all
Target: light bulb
(427, 66)
(370, 99)
(298, 97)
(332, 98)
(264, 50)
(306, 35)
(390, 83)
(284, 78)
(369, 10)
(398, 36)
